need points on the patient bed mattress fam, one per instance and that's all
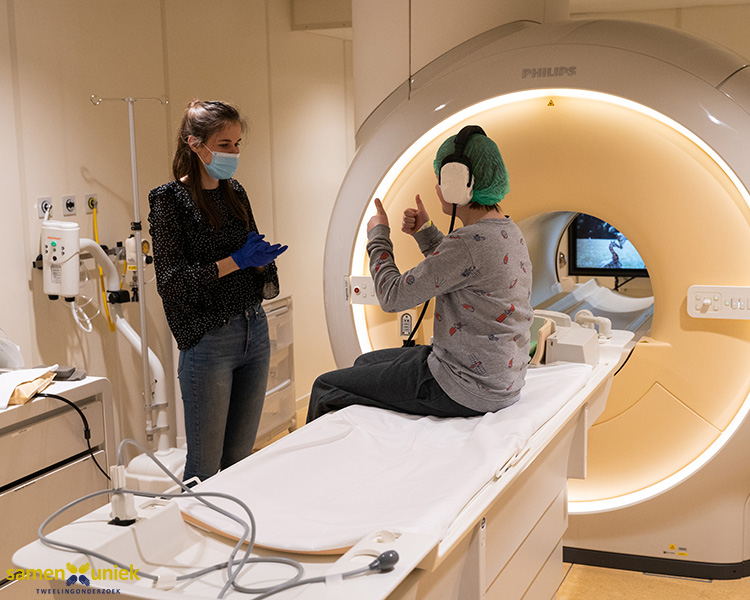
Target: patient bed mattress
(362, 469)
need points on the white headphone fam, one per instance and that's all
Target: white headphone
(456, 179)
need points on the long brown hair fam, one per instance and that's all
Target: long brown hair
(202, 120)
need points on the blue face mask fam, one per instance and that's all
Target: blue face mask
(222, 165)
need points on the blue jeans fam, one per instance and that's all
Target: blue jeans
(397, 379)
(223, 382)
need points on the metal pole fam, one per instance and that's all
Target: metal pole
(141, 283)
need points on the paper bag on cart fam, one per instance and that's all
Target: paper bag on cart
(18, 387)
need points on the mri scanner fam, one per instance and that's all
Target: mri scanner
(640, 126)
(646, 128)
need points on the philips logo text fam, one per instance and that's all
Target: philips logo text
(548, 72)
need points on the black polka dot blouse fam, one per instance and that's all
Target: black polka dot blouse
(186, 248)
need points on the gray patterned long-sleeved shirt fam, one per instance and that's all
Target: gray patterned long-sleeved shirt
(480, 277)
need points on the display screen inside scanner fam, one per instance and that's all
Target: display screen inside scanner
(597, 248)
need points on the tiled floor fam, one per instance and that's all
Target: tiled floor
(592, 583)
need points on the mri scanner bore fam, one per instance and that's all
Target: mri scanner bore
(646, 168)
(656, 149)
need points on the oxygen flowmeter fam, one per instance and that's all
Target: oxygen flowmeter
(60, 259)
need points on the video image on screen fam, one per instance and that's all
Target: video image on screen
(598, 248)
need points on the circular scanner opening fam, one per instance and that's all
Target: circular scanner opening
(598, 262)
(567, 152)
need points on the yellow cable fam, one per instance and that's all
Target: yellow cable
(124, 271)
(101, 278)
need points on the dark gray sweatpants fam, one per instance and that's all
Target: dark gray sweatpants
(397, 379)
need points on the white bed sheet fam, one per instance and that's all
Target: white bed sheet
(361, 469)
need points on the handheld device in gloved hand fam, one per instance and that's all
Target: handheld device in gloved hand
(256, 252)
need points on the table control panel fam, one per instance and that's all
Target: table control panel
(718, 301)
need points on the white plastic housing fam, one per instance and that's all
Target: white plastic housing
(60, 254)
(573, 344)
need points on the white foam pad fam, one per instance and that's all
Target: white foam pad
(362, 469)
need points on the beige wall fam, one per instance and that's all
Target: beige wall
(723, 24)
(312, 143)
(292, 86)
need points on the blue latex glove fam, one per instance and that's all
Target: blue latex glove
(256, 252)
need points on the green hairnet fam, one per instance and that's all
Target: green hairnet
(490, 174)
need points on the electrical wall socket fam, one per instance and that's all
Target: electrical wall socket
(91, 202)
(43, 205)
(406, 322)
(68, 205)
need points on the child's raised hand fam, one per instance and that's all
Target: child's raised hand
(380, 217)
(414, 218)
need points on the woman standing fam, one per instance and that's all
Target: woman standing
(213, 270)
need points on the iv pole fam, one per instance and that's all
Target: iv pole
(151, 403)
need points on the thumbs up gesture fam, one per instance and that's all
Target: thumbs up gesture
(380, 217)
(414, 218)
